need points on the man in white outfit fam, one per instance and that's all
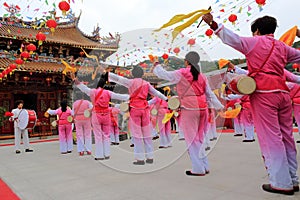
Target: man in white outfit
(18, 132)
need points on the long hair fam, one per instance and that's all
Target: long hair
(195, 71)
(63, 105)
(265, 25)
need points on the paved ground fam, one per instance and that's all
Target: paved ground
(237, 172)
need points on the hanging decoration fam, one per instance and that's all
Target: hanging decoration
(64, 7)
(260, 4)
(31, 48)
(209, 32)
(25, 55)
(41, 37)
(51, 23)
(19, 61)
(191, 41)
(176, 50)
(232, 18)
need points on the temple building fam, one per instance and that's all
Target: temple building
(34, 61)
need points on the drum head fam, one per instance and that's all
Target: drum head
(124, 107)
(70, 119)
(154, 112)
(87, 113)
(173, 103)
(23, 119)
(246, 85)
(54, 123)
(27, 119)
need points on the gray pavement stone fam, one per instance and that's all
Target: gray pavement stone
(236, 172)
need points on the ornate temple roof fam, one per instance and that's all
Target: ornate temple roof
(65, 33)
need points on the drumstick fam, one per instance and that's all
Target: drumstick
(202, 18)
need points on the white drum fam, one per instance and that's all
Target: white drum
(54, 123)
(124, 106)
(87, 113)
(174, 102)
(27, 119)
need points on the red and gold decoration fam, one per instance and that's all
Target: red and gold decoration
(51, 23)
(209, 32)
(260, 3)
(19, 61)
(295, 66)
(41, 37)
(176, 50)
(64, 7)
(25, 55)
(191, 41)
(232, 18)
(31, 48)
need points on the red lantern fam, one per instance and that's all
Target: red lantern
(64, 7)
(31, 48)
(232, 18)
(40, 37)
(176, 50)
(209, 32)
(295, 66)
(165, 56)
(19, 61)
(12, 66)
(25, 55)
(1, 76)
(260, 2)
(191, 42)
(51, 23)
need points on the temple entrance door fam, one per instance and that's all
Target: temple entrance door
(30, 101)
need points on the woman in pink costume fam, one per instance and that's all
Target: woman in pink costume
(114, 125)
(139, 119)
(194, 93)
(64, 127)
(295, 97)
(101, 115)
(164, 128)
(271, 105)
(83, 126)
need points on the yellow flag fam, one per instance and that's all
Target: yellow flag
(222, 62)
(68, 68)
(167, 117)
(223, 86)
(230, 113)
(180, 17)
(177, 18)
(90, 56)
(216, 91)
(289, 36)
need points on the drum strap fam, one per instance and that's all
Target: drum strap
(78, 108)
(137, 91)
(19, 114)
(252, 74)
(97, 97)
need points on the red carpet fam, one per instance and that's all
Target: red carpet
(6, 193)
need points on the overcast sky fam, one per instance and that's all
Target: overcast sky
(122, 16)
(127, 15)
